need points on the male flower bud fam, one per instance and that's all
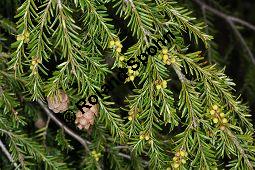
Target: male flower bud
(158, 87)
(176, 165)
(26, 36)
(34, 62)
(180, 158)
(118, 43)
(224, 120)
(215, 107)
(118, 50)
(111, 44)
(222, 115)
(147, 137)
(131, 115)
(175, 158)
(121, 58)
(95, 155)
(132, 78)
(215, 120)
(172, 60)
(212, 112)
(130, 118)
(130, 71)
(136, 73)
(20, 37)
(165, 51)
(164, 84)
(182, 153)
(165, 57)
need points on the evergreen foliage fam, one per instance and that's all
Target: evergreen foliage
(181, 111)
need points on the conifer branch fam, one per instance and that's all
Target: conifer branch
(170, 117)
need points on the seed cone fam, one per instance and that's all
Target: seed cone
(84, 121)
(58, 103)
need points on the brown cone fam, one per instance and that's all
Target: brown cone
(84, 121)
(58, 103)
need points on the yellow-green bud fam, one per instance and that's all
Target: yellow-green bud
(93, 152)
(136, 73)
(118, 43)
(212, 112)
(130, 118)
(164, 83)
(175, 158)
(34, 62)
(130, 71)
(20, 37)
(26, 34)
(132, 78)
(215, 107)
(158, 86)
(215, 120)
(118, 50)
(222, 115)
(182, 153)
(224, 120)
(165, 51)
(111, 44)
(172, 60)
(121, 58)
(165, 57)
(176, 165)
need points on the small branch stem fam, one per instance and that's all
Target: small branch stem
(223, 15)
(66, 129)
(84, 142)
(231, 21)
(7, 153)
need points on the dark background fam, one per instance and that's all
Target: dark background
(231, 52)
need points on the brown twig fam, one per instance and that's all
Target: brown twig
(84, 142)
(7, 154)
(66, 129)
(231, 21)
